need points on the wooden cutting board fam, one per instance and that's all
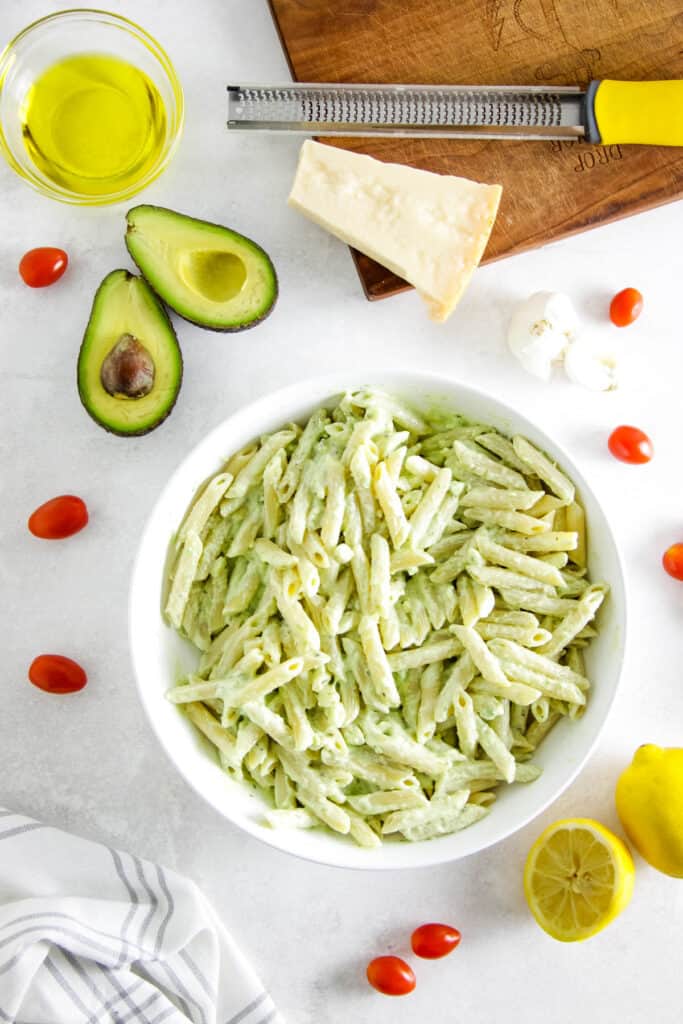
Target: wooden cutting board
(550, 189)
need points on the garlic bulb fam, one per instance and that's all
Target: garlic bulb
(590, 366)
(540, 330)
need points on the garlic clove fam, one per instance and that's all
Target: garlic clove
(538, 363)
(591, 367)
(540, 329)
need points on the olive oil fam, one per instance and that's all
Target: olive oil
(94, 124)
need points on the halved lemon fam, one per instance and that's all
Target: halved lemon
(578, 877)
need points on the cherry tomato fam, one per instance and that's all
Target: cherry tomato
(56, 674)
(58, 518)
(391, 976)
(432, 941)
(629, 444)
(41, 267)
(625, 307)
(672, 560)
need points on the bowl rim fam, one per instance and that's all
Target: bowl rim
(320, 389)
(161, 56)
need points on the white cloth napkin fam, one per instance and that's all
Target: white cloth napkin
(96, 935)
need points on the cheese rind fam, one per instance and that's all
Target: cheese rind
(430, 229)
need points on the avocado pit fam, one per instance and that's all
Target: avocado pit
(128, 370)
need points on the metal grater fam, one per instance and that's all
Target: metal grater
(425, 111)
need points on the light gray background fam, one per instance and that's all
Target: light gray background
(91, 763)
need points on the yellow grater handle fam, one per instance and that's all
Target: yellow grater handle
(644, 113)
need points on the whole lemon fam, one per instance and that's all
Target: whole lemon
(649, 799)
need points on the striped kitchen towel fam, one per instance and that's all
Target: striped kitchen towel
(96, 935)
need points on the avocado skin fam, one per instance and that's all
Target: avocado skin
(233, 329)
(102, 422)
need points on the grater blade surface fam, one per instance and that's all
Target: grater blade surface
(409, 110)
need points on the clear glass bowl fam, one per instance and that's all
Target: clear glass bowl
(64, 34)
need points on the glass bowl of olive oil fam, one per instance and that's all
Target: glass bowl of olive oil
(91, 109)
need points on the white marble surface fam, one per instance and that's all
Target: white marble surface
(90, 762)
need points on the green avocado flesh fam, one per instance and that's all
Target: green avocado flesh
(129, 365)
(208, 274)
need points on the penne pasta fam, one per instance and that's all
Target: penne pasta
(424, 514)
(430, 686)
(389, 611)
(581, 614)
(438, 650)
(497, 751)
(520, 522)
(203, 507)
(487, 663)
(335, 498)
(184, 576)
(517, 561)
(385, 492)
(473, 458)
(501, 497)
(544, 468)
(575, 522)
(291, 477)
(377, 661)
(380, 575)
(254, 468)
(458, 679)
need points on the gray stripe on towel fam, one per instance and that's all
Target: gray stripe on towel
(133, 897)
(110, 1004)
(247, 1009)
(163, 1015)
(153, 899)
(269, 1016)
(19, 829)
(165, 888)
(51, 928)
(185, 956)
(76, 966)
(50, 965)
(137, 1009)
(148, 1005)
(185, 994)
(58, 916)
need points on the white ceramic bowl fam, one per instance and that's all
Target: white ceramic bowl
(159, 654)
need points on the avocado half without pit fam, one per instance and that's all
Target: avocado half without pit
(210, 275)
(129, 365)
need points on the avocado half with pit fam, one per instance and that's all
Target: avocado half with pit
(129, 366)
(210, 275)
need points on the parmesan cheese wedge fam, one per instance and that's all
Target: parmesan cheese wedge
(430, 229)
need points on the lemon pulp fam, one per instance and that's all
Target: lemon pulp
(93, 123)
(578, 877)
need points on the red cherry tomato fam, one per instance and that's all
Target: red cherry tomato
(56, 674)
(629, 444)
(391, 976)
(41, 267)
(432, 941)
(625, 307)
(58, 518)
(672, 560)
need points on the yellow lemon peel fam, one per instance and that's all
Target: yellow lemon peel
(649, 798)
